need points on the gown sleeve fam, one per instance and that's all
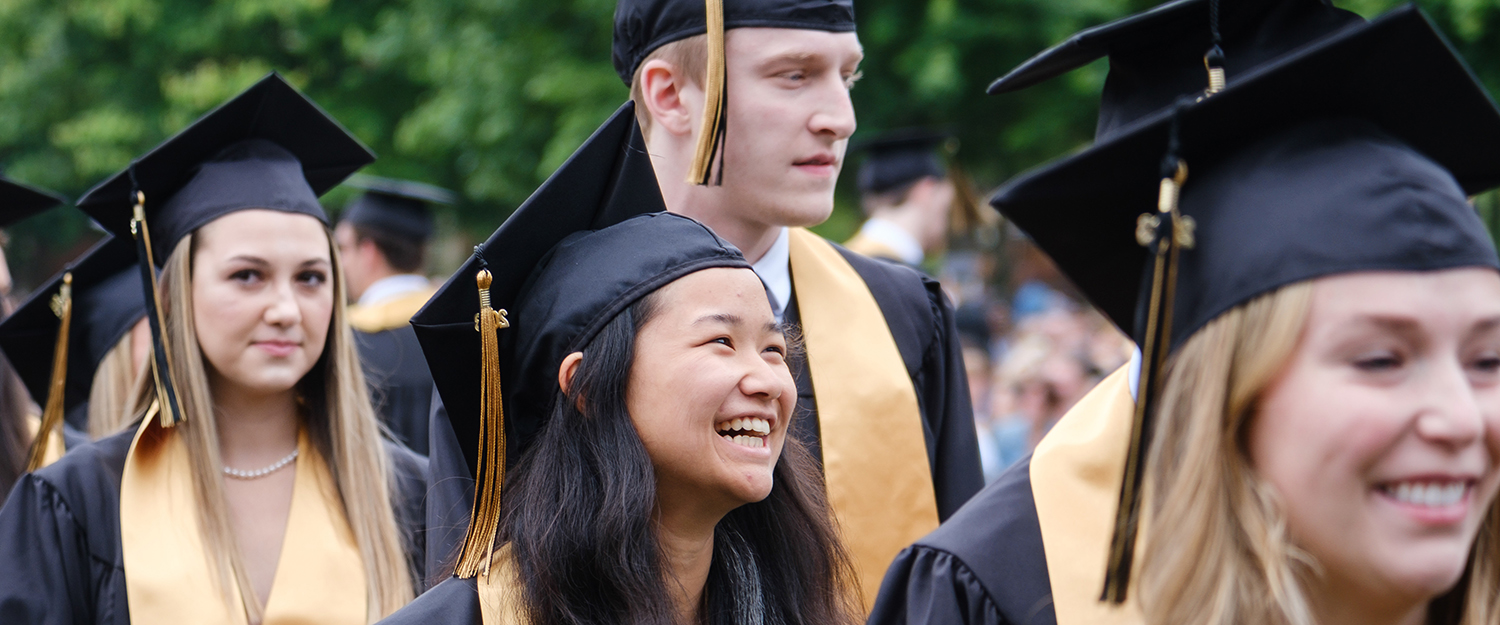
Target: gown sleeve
(46, 577)
(926, 585)
(943, 388)
(453, 602)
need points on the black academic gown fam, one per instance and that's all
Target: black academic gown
(922, 323)
(400, 383)
(60, 535)
(984, 566)
(453, 602)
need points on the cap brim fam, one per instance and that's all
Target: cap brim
(19, 201)
(29, 335)
(607, 180)
(271, 109)
(1396, 71)
(408, 189)
(1092, 44)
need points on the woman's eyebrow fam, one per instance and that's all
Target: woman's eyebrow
(254, 260)
(315, 261)
(723, 318)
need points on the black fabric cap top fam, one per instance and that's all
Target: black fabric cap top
(107, 303)
(606, 181)
(269, 147)
(395, 206)
(900, 157)
(19, 201)
(642, 26)
(1354, 154)
(1157, 56)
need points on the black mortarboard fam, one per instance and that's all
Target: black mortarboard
(642, 26)
(19, 201)
(107, 302)
(1353, 153)
(900, 157)
(562, 273)
(395, 206)
(1159, 55)
(267, 148)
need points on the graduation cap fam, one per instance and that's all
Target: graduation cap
(642, 26)
(1172, 50)
(900, 157)
(395, 206)
(268, 148)
(592, 240)
(1354, 153)
(58, 337)
(19, 201)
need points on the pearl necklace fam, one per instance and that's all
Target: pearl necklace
(240, 474)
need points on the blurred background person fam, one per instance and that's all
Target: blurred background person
(382, 237)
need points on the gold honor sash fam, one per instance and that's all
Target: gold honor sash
(874, 450)
(862, 244)
(389, 314)
(500, 591)
(1075, 481)
(320, 577)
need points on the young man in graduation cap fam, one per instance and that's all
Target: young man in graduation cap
(20, 429)
(746, 110)
(906, 193)
(1194, 81)
(382, 238)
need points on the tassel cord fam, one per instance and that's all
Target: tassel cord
(52, 414)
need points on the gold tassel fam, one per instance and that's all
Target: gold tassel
(52, 415)
(1168, 231)
(161, 357)
(484, 519)
(714, 92)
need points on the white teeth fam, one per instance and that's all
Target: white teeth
(745, 424)
(1428, 495)
(748, 441)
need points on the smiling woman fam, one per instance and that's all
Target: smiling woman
(254, 485)
(646, 391)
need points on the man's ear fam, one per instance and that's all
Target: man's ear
(566, 371)
(666, 93)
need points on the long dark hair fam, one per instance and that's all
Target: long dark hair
(579, 517)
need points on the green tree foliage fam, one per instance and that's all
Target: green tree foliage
(489, 96)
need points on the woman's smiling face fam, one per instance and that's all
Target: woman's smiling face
(262, 298)
(710, 392)
(1381, 435)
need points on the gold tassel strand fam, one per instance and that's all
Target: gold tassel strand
(714, 91)
(52, 415)
(161, 363)
(484, 519)
(1165, 233)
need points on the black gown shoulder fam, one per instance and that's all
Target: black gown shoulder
(409, 501)
(60, 540)
(922, 323)
(985, 565)
(453, 602)
(400, 382)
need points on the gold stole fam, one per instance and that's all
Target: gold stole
(320, 577)
(500, 591)
(1075, 481)
(874, 451)
(389, 314)
(55, 448)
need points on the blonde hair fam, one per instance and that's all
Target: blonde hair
(689, 55)
(340, 423)
(117, 388)
(1207, 505)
